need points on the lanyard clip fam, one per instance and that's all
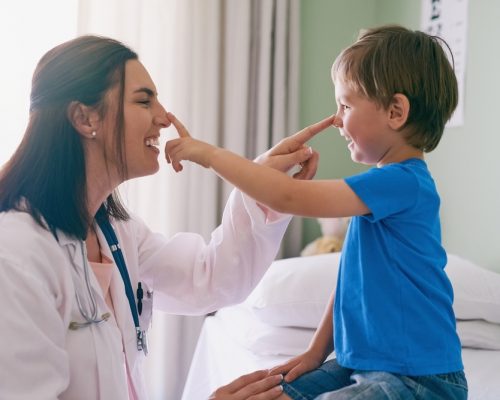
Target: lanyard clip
(142, 342)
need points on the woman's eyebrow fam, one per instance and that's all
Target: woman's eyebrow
(146, 90)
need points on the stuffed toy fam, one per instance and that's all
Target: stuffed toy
(333, 231)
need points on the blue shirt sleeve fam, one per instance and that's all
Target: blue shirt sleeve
(386, 190)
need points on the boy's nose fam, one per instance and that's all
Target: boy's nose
(337, 122)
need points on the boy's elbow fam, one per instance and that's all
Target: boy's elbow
(282, 203)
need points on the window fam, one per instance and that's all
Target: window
(27, 30)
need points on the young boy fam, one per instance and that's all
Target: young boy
(394, 328)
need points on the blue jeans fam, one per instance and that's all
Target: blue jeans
(333, 382)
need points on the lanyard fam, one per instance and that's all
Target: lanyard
(114, 245)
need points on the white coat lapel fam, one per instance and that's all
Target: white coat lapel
(106, 345)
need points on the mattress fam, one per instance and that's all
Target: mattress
(224, 353)
(277, 321)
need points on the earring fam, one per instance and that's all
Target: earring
(93, 134)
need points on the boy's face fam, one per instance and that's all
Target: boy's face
(364, 124)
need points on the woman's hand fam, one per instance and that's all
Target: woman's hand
(258, 385)
(293, 151)
(298, 365)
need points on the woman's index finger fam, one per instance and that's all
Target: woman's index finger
(312, 130)
(246, 380)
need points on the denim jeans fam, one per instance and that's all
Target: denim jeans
(333, 382)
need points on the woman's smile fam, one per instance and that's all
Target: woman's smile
(152, 143)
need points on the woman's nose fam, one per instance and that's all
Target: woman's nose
(161, 118)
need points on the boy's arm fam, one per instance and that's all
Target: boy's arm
(322, 341)
(320, 348)
(326, 198)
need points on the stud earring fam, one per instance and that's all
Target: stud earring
(93, 134)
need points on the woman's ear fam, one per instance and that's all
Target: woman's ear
(399, 110)
(83, 119)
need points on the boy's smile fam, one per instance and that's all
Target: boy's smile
(369, 129)
(363, 124)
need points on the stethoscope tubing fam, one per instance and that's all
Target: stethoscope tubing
(89, 317)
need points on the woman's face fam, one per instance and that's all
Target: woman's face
(143, 117)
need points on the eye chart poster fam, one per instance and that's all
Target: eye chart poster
(448, 20)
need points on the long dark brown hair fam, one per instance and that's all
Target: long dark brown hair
(46, 174)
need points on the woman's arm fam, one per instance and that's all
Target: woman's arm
(33, 358)
(192, 275)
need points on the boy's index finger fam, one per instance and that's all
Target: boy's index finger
(309, 132)
(181, 129)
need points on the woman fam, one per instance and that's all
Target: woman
(74, 324)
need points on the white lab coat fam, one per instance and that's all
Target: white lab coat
(40, 358)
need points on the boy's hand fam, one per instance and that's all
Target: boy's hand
(298, 366)
(186, 148)
(258, 385)
(292, 151)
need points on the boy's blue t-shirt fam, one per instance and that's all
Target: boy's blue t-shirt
(393, 304)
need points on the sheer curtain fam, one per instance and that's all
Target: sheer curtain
(229, 71)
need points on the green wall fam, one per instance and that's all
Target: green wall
(327, 27)
(465, 164)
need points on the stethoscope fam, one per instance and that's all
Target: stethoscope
(91, 316)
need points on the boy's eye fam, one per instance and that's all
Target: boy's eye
(344, 107)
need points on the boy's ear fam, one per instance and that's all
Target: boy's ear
(399, 110)
(83, 118)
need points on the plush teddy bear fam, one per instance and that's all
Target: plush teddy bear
(333, 230)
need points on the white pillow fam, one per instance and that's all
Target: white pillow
(294, 292)
(241, 324)
(477, 290)
(479, 334)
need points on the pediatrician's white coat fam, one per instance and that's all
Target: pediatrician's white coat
(40, 358)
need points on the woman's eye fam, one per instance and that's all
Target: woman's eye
(145, 102)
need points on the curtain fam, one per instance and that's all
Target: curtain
(260, 75)
(229, 71)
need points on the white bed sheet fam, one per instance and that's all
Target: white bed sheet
(219, 359)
